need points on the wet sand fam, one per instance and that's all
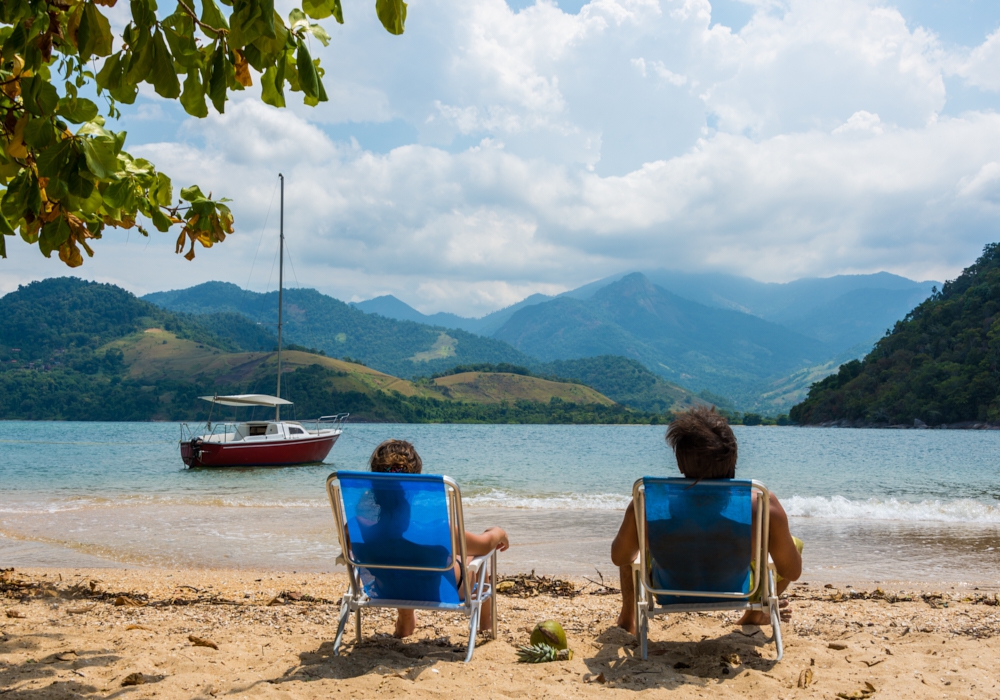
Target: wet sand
(62, 635)
(558, 542)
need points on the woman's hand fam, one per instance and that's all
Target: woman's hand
(499, 536)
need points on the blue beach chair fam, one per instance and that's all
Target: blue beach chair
(697, 552)
(402, 537)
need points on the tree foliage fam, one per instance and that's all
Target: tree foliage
(65, 177)
(941, 364)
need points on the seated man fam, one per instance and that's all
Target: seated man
(705, 448)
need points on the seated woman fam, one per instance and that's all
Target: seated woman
(400, 457)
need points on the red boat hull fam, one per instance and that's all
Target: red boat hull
(283, 453)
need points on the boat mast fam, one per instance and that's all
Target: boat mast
(281, 270)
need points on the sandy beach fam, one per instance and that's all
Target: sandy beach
(84, 632)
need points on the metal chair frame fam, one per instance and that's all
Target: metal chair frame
(474, 596)
(645, 593)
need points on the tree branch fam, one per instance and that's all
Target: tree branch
(191, 13)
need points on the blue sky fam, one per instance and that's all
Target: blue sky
(496, 150)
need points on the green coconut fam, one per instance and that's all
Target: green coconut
(549, 632)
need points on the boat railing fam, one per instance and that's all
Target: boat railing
(334, 422)
(206, 432)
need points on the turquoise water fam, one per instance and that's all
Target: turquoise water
(899, 505)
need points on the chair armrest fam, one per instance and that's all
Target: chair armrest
(473, 566)
(636, 564)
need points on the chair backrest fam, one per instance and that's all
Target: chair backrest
(697, 539)
(400, 532)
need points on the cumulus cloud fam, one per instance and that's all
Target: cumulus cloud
(556, 148)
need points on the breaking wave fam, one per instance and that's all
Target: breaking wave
(839, 508)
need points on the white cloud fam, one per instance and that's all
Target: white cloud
(632, 134)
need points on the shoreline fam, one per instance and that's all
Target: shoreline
(274, 634)
(551, 542)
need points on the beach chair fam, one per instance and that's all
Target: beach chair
(401, 536)
(696, 551)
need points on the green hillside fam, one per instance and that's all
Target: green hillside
(77, 350)
(315, 320)
(626, 381)
(727, 352)
(941, 364)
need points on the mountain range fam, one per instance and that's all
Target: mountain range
(844, 311)
(760, 345)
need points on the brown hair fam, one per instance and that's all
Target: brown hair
(703, 444)
(396, 456)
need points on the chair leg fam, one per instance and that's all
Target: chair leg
(642, 627)
(357, 625)
(641, 616)
(473, 628)
(775, 611)
(345, 612)
(636, 596)
(493, 593)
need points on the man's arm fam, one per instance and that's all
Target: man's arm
(625, 548)
(787, 559)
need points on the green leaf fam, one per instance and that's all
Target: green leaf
(5, 229)
(77, 111)
(160, 220)
(39, 95)
(179, 30)
(54, 234)
(143, 13)
(272, 89)
(392, 14)
(94, 35)
(162, 193)
(51, 161)
(140, 63)
(248, 22)
(14, 199)
(39, 133)
(120, 194)
(125, 94)
(192, 194)
(321, 9)
(101, 160)
(217, 83)
(163, 76)
(212, 15)
(110, 75)
(308, 79)
(193, 97)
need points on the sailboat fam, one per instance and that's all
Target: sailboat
(262, 443)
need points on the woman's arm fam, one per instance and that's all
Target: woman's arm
(492, 538)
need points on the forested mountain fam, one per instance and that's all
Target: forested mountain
(315, 320)
(626, 381)
(941, 364)
(62, 320)
(84, 351)
(728, 352)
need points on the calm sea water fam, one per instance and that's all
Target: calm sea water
(871, 505)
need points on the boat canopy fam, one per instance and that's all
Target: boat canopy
(247, 400)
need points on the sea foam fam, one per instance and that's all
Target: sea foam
(839, 508)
